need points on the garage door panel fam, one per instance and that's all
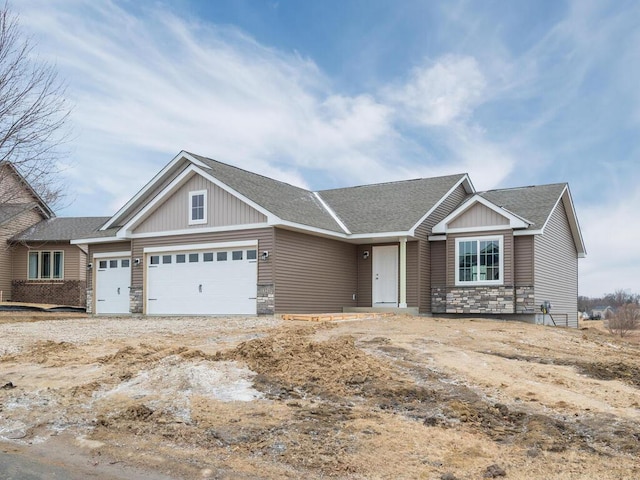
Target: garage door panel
(113, 279)
(220, 285)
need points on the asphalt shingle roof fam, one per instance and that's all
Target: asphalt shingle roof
(62, 229)
(387, 207)
(533, 203)
(286, 201)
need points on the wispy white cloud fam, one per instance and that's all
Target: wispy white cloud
(150, 83)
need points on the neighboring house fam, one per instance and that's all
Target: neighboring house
(203, 237)
(47, 268)
(38, 264)
(601, 312)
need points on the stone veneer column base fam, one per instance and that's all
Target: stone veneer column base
(89, 300)
(266, 300)
(136, 304)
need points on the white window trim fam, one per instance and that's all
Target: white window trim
(51, 265)
(204, 205)
(500, 239)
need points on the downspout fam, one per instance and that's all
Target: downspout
(403, 273)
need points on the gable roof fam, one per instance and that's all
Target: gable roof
(337, 212)
(290, 203)
(388, 207)
(39, 201)
(61, 229)
(529, 209)
(534, 203)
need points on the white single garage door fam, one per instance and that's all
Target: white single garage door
(213, 281)
(113, 279)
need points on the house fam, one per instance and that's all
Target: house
(38, 264)
(204, 237)
(601, 312)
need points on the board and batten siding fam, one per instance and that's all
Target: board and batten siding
(507, 254)
(424, 246)
(103, 248)
(556, 266)
(313, 274)
(15, 225)
(223, 209)
(264, 236)
(478, 216)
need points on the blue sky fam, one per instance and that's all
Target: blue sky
(336, 93)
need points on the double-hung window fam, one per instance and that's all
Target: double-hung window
(197, 207)
(46, 265)
(479, 261)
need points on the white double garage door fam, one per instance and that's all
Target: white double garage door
(214, 279)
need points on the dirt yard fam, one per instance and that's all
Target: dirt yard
(261, 398)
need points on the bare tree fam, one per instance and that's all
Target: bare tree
(33, 115)
(625, 320)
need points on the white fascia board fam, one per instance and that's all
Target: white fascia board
(468, 186)
(437, 238)
(123, 253)
(151, 184)
(525, 232)
(514, 220)
(332, 213)
(192, 231)
(382, 235)
(567, 202)
(82, 241)
(175, 183)
(201, 246)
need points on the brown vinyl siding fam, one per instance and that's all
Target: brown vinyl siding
(104, 248)
(507, 254)
(264, 236)
(479, 216)
(523, 259)
(223, 209)
(412, 274)
(12, 227)
(438, 264)
(424, 246)
(313, 274)
(74, 267)
(365, 273)
(556, 267)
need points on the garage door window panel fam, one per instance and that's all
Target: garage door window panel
(222, 256)
(207, 257)
(237, 255)
(166, 259)
(193, 258)
(181, 258)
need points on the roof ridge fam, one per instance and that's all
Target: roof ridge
(393, 182)
(523, 187)
(247, 171)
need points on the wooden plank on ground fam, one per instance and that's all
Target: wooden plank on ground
(331, 317)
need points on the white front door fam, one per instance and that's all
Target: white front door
(113, 279)
(203, 282)
(385, 276)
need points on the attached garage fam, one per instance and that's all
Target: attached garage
(113, 279)
(213, 279)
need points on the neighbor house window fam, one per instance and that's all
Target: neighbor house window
(479, 261)
(46, 265)
(197, 207)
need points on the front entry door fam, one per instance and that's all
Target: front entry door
(385, 276)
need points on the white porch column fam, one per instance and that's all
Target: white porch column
(403, 273)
